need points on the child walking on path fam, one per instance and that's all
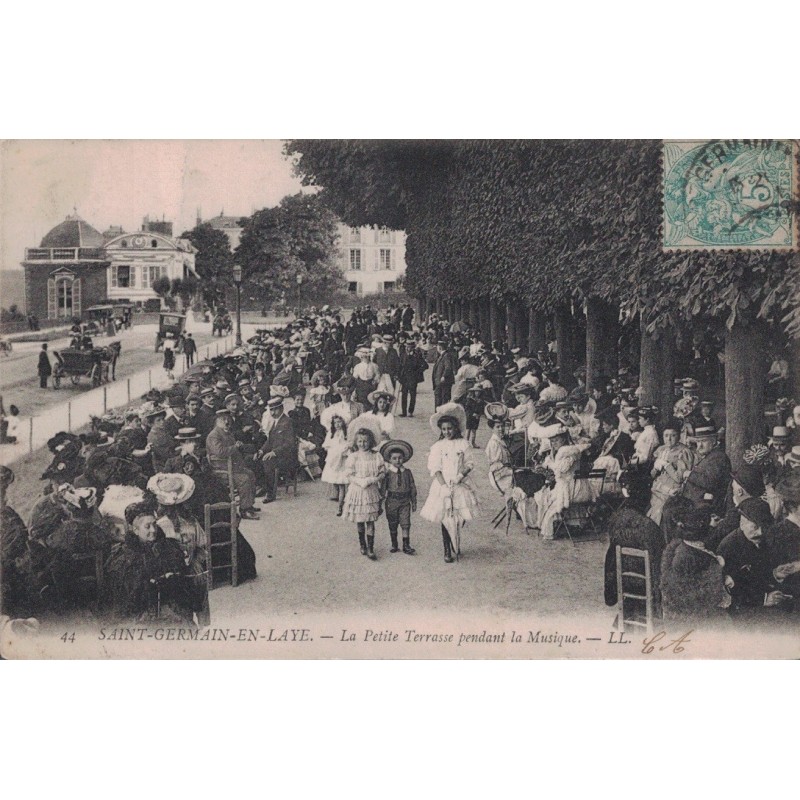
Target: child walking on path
(362, 503)
(400, 492)
(337, 448)
(452, 500)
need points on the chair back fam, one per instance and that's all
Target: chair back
(213, 522)
(634, 589)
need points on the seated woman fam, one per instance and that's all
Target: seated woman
(175, 518)
(673, 461)
(146, 575)
(614, 451)
(564, 459)
(692, 578)
(647, 441)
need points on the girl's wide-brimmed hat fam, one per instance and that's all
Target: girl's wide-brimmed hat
(497, 412)
(171, 488)
(278, 390)
(368, 421)
(372, 397)
(453, 410)
(327, 415)
(387, 448)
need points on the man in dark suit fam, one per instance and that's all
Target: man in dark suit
(279, 452)
(44, 369)
(711, 474)
(411, 373)
(387, 359)
(444, 374)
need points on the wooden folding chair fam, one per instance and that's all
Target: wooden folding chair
(227, 477)
(232, 525)
(637, 612)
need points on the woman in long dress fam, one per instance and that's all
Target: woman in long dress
(452, 500)
(563, 460)
(673, 461)
(362, 503)
(365, 374)
(338, 449)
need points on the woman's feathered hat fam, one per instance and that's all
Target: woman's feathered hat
(171, 488)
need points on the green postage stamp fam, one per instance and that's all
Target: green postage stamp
(730, 194)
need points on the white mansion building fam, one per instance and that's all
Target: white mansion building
(372, 259)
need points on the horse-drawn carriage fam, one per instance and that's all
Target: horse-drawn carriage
(222, 324)
(171, 326)
(96, 364)
(100, 317)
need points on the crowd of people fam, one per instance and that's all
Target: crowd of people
(119, 528)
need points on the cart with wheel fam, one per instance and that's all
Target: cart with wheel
(170, 327)
(76, 364)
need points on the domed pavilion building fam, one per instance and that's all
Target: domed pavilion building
(76, 267)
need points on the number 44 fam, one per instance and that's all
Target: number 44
(68, 637)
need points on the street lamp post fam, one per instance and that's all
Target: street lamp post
(299, 284)
(237, 279)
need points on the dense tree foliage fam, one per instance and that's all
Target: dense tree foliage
(582, 218)
(213, 262)
(555, 225)
(297, 238)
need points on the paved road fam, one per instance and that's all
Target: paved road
(309, 561)
(19, 383)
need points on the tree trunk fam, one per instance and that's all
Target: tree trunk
(537, 331)
(602, 335)
(745, 372)
(472, 313)
(657, 369)
(497, 323)
(511, 324)
(565, 342)
(794, 369)
(484, 315)
(421, 303)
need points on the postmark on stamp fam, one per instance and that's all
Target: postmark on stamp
(725, 194)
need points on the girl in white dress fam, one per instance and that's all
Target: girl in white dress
(452, 500)
(365, 470)
(338, 448)
(381, 409)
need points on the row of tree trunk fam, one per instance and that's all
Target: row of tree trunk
(745, 365)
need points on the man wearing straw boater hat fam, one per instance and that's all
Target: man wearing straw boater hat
(711, 473)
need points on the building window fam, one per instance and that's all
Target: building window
(383, 236)
(154, 243)
(124, 243)
(355, 235)
(388, 286)
(386, 259)
(63, 297)
(352, 286)
(121, 277)
(150, 274)
(355, 259)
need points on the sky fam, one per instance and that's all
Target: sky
(119, 182)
